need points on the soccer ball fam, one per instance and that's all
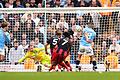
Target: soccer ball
(78, 28)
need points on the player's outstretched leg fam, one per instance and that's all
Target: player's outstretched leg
(78, 67)
(59, 68)
(94, 64)
(52, 68)
(68, 64)
(64, 65)
(107, 66)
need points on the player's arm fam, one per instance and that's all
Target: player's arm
(7, 37)
(48, 42)
(46, 47)
(23, 58)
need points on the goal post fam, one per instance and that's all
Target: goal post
(25, 24)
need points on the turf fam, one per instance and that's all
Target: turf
(59, 76)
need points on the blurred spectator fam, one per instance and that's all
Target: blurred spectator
(30, 21)
(32, 4)
(82, 3)
(18, 4)
(15, 53)
(12, 39)
(109, 3)
(39, 5)
(41, 26)
(16, 32)
(29, 31)
(1, 5)
(29, 27)
(6, 17)
(51, 21)
(55, 3)
(104, 49)
(9, 4)
(38, 44)
(118, 39)
(72, 22)
(27, 5)
(116, 4)
(25, 37)
(58, 3)
(24, 45)
(41, 16)
(95, 3)
(63, 2)
(114, 46)
(35, 19)
(62, 24)
(38, 34)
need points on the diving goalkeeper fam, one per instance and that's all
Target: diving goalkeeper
(37, 54)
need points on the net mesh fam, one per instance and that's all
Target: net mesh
(26, 25)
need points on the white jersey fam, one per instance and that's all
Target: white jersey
(16, 54)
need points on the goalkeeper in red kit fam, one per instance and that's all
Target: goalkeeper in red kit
(63, 50)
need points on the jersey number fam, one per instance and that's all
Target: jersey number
(89, 35)
(65, 41)
(55, 41)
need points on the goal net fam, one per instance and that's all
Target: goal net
(39, 25)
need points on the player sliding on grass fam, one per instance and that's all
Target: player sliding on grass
(37, 54)
(63, 50)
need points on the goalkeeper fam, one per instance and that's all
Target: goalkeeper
(37, 54)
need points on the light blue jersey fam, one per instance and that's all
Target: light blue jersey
(91, 36)
(4, 38)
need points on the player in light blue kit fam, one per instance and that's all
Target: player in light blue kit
(85, 47)
(4, 38)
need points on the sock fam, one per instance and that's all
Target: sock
(77, 63)
(68, 64)
(52, 67)
(94, 65)
(64, 65)
(59, 67)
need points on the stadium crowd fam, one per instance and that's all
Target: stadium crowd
(58, 3)
(25, 27)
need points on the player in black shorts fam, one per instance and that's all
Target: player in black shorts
(53, 41)
(63, 50)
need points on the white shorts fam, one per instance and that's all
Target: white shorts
(2, 52)
(88, 50)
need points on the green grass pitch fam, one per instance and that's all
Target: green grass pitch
(59, 76)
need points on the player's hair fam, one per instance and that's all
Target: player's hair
(70, 32)
(58, 32)
(15, 41)
(88, 20)
(66, 34)
(4, 24)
